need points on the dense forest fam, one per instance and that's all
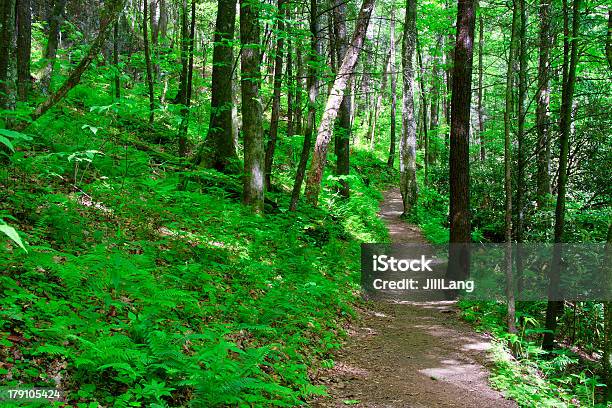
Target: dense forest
(185, 186)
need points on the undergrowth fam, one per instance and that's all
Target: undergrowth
(137, 293)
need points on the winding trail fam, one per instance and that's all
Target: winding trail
(406, 354)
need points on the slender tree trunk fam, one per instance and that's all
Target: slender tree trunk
(311, 85)
(145, 36)
(521, 160)
(185, 109)
(278, 83)
(55, 24)
(392, 67)
(567, 97)
(423, 109)
(609, 39)
(480, 85)
(24, 46)
(7, 30)
(513, 49)
(460, 231)
(117, 78)
(408, 182)
(378, 104)
(184, 51)
(109, 15)
(319, 157)
(252, 111)
(542, 107)
(343, 123)
(298, 90)
(290, 80)
(218, 149)
(435, 99)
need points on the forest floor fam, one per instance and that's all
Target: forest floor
(408, 354)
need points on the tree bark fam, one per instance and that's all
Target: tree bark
(218, 150)
(252, 111)
(317, 166)
(543, 106)
(424, 123)
(391, 159)
(459, 166)
(567, 96)
(145, 36)
(343, 123)
(278, 83)
(24, 46)
(408, 182)
(7, 30)
(311, 85)
(109, 15)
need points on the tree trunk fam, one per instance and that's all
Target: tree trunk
(290, 81)
(278, 83)
(459, 256)
(423, 110)
(311, 85)
(391, 159)
(298, 90)
(480, 85)
(408, 182)
(24, 46)
(109, 15)
(55, 24)
(567, 96)
(184, 126)
(542, 107)
(319, 157)
(343, 123)
(252, 111)
(219, 149)
(378, 104)
(145, 36)
(609, 39)
(117, 78)
(7, 30)
(508, 169)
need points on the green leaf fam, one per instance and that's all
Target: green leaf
(14, 135)
(7, 143)
(12, 234)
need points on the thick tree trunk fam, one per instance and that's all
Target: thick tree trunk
(24, 46)
(391, 159)
(311, 85)
(252, 111)
(278, 83)
(343, 123)
(567, 97)
(542, 107)
(513, 49)
(7, 31)
(219, 149)
(460, 231)
(480, 85)
(109, 15)
(55, 24)
(145, 36)
(319, 157)
(408, 182)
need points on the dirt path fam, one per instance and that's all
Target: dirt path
(403, 354)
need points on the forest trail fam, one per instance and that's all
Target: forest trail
(406, 354)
